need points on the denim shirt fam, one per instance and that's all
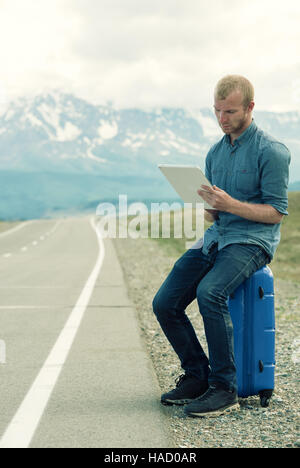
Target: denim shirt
(255, 170)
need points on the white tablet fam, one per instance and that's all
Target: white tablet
(186, 180)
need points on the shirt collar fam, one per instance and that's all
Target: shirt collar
(245, 136)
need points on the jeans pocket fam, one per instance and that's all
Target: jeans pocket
(262, 258)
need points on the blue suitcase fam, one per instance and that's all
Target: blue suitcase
(253, 316)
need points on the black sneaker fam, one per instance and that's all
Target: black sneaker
(187, 389)
(214, 402)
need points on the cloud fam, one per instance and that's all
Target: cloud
(151, 53)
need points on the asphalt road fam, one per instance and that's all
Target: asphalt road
(76, 373)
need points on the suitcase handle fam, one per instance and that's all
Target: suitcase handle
(261, 365)
(261, 292)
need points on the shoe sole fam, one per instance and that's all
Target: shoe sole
(176, 402)
(213, 414)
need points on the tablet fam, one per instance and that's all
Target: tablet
(186, 180)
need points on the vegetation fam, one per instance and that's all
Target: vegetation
(286, 262)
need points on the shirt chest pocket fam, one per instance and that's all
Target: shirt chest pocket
(246, 181)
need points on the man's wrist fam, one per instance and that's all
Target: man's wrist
(234, 206)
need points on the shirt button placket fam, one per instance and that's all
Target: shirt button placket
(230, 182)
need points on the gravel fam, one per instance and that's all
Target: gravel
(145, 264)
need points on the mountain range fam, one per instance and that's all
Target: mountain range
(60, 154)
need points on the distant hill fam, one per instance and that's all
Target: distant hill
(27, 195)
(62, 154)
(294, 186)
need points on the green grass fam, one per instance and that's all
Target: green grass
(286, 262)
(176, 247)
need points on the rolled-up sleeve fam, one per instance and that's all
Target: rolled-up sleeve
(208, 166)
(274, 176)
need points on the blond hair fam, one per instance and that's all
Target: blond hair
(231, 83)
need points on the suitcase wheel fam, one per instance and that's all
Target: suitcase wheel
(265, 397)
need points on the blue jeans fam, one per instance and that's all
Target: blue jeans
(211, 279)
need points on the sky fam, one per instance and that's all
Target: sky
(150, 53)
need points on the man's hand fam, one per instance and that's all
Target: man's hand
(217, 198)
(221, 201)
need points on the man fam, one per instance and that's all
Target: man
(248, 171)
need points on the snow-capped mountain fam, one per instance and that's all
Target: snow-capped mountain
(60, 132)
(59, 152)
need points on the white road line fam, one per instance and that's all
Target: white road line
(23, 425)
(34, 243)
